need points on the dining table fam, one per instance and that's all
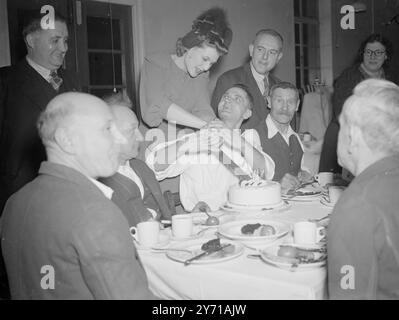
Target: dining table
(245, 277)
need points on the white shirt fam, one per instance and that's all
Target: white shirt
(259, 78)
(107, 191)
(203, 177)
(127, 171)
(44, 72)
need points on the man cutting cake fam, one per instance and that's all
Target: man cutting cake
(205, 175)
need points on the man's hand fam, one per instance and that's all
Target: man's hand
(289, 182)
(201, 205)
(304, 176)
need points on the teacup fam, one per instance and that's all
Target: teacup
(334, 192)
(324, 178)
(182, 225)
(308, 233)
(146, 233)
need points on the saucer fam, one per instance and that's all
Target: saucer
(164, 240)
(196, 234)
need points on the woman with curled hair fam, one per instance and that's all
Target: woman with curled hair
(371, 62)
(174, 87)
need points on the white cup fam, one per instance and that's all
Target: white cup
(182, 225)
(324, 178)
(307, 233)
(146, 233)
(334, 192)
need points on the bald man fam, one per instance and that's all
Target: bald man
(62, 236)
(136, 190)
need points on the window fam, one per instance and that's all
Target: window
(307, 47)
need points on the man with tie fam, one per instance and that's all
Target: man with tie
(279, 140)
(136, 190)
(31, 84)
(266, 52)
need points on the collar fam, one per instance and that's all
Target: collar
(44, 72)
(258, 77)
(366, 74)
(72, 175)
(107, 191)
(124, 167)
(382, 166)
(272, 128)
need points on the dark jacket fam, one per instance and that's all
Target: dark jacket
(127, 194)
(244, 75)
(61, 224)
(27, 94)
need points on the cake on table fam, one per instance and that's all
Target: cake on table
(255, 192)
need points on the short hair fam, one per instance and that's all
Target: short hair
(210, 28)
(271, 32)
(119, 99)
(376, 37)
(247, 92)
(51, 118)
(33, 23)
(374, 108)
(284, 85)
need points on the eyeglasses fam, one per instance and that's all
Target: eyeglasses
(377, 53)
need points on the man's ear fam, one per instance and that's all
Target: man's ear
(355, 136)
(30, 40)
(269, 102)
(251, 49)
(297, 105)
(247, 114)
(280, 55)
(64, 140)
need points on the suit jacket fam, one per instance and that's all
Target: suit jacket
(127, 194)
(27, 94)
(244, 75)
(61, 227)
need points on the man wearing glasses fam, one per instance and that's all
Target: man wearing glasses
(265, 52)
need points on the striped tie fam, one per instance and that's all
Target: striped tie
(55, 80)
(267, 89)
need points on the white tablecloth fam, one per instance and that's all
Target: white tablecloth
(241, 278)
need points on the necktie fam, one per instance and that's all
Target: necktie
(266, 85)
(55, 80)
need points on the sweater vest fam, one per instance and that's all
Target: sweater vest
(287, 158)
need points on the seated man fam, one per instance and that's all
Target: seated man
(279, 140)
(62, 238)
(136, 191)
(205, 176)
(363, 234)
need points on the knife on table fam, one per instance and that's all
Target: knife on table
(206, 253)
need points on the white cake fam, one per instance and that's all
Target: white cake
(255, 193)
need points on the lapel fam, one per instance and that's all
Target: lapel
(34, 85)
(151, 185)
(129, 185)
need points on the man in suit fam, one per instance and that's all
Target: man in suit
(279, 140)
(31, 84)
(265, 52)
(62, 237)
(136, 190)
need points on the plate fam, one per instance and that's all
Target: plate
(269, 255)
(164, 240)
(195, 247)
(232, 230)
(228, 206)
